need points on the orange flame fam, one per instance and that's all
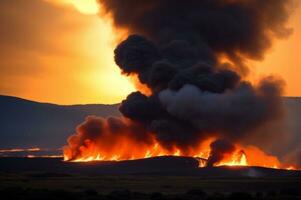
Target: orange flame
(235, 159)
(127, 149)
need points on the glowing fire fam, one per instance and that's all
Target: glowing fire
(35, 152)
(19, 150)
(127, 150)
(236, 159)
(44, 156)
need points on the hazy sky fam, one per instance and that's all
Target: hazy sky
(61, 51)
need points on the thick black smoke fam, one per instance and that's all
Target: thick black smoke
(195, 94)
(176, 50)
(219, 148)
(192, 31)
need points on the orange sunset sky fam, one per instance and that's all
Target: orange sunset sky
(61, 51)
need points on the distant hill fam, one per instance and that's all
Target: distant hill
(164, 165)
(25, 123)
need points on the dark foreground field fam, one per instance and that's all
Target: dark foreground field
(176, 179)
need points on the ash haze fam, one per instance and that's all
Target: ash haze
(72, 54)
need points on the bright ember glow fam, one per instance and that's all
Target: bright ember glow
(235, 159)
(34, 152)
(44, 156)
(19, 150)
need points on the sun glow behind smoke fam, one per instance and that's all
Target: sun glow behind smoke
(93, 66)
(105, 70)
(89, 7)
(86, 6)
(77, 22)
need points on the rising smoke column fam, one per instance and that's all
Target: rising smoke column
(178, 49)
(219, 148)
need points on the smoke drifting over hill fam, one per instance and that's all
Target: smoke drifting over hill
(192, 56)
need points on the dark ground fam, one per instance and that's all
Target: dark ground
(156, 178)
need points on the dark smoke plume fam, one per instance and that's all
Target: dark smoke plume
(219, 148)
(192, 31)
(177, 49)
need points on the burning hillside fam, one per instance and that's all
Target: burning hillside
(192, 58)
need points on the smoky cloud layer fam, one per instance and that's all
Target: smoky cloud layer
(197, 30)
(191, 54)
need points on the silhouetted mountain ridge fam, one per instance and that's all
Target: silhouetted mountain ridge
(27, 123)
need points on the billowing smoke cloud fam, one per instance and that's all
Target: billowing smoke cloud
(188, 32)
(191, 54)
(219, 148)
